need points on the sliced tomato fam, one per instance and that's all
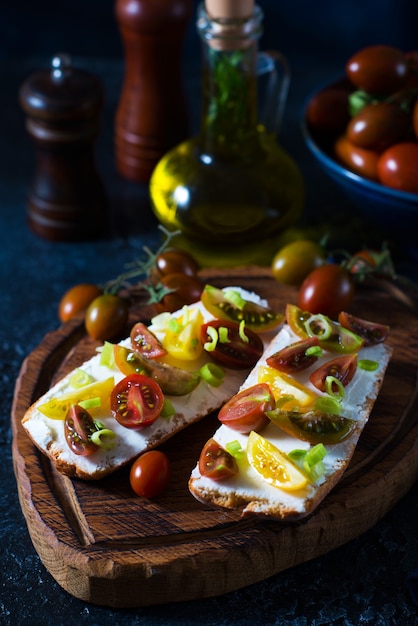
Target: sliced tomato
(314, 426)
(273, 465)
(289, 393)
(182, 335)
(57, 408)
(342, 368)
(78, 428)
(227, 307)
(127, 361)
(217, 463)
(245, 411)
(136, 401)
(230, 345)
(145, 342)
(295, 357)
(332, 336)
(371, 332)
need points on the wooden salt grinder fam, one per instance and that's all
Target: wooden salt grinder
(67, 201)
(152, 112)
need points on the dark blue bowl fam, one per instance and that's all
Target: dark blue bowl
(393, 211)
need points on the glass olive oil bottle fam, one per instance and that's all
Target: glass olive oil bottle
(232, 186)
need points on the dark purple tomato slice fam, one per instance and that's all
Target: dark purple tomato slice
(230, 345)
(342, 368)
(217, 463)
(136, 401)
(371, 332)
(246, 410)
(314, 426)
(78, 428)
(296, 357)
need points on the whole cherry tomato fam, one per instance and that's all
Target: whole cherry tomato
(186, 290)
(150, 474)
(106, 317)
(77, 299)
(329, 289)
(176, 261)
(327, 111)
(362, 162)
(292, 263)
(378, 126)
(379, 70)
(397, 167)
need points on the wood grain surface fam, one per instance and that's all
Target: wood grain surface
(105, 545)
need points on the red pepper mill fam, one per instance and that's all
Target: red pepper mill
(67, 201)
(152, 114)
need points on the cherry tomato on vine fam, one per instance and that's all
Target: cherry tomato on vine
(217, 463)
(186, 290)
(397, 167)
(136, 401)
(223, 341)
(106, 317)
(176, 261)
(78, 428)
(246, 410)
(379, 70)
(329, 289)
(150, 474)
(292, 263)
(77, 299)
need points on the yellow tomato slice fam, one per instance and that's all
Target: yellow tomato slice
(284, 386)
(182, 336)
(57, 408)
(273, 465)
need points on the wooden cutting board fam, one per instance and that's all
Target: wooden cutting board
(105, 545)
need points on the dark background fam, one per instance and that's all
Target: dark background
(363, 582)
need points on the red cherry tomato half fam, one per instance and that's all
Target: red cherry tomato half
(186, 290)
(397, 167)
(329, 289)
(136, 401)
(371, 332)
(150, 474)
(358, 160)
(246, 410)
(216, 463)
(77, 299)
(145, 342)
(379, 70)
(223, 341)
(106, 317)
(78, 428)
(342, 368)
(296, 357)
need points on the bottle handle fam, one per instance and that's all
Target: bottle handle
(275, 66)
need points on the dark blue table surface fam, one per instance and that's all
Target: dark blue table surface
(363, 582)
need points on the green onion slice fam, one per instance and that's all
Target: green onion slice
(168, 409)
(314, 351)
(330, 383)
(328, 404)
(223, 334)
(90, 403)
(104, 438)
(234, 448)
(212, 374)
(213, 334)
(368, 365)
(107, 355)
(234, 297)
(318, 326)
(242, 334)
(310, 461)
(80, 378)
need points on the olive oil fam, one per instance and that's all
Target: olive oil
(232, 187)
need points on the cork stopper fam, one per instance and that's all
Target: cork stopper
(229, 9)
